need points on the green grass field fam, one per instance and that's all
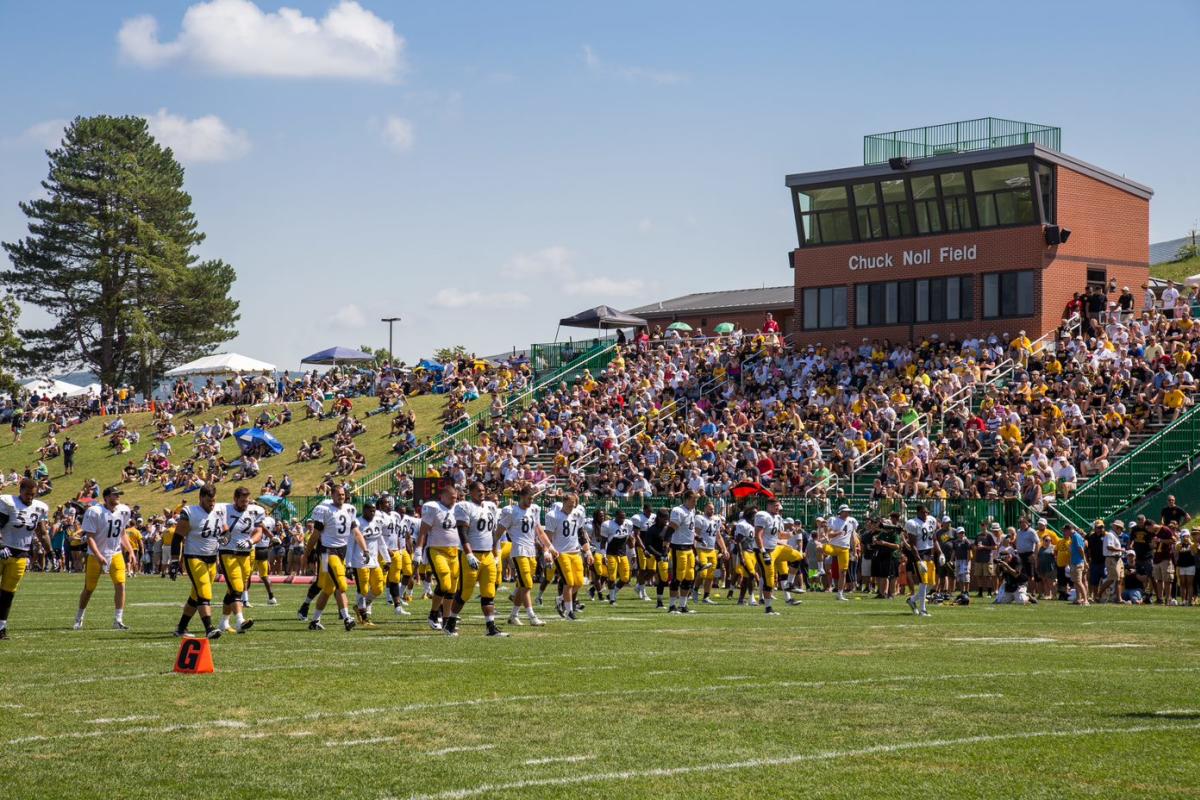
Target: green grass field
(1176, 270)
(95, 459)
(830, 699)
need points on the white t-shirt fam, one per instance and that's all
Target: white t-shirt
(564, 528)
(924, 532)
(242, 525)
(22, 520)
(683, 524)
(106, 527)
(521, 525)
(842, 530)
(771, 525)
(480, 519)
(205, 530)
(442, 530)
(338, 523)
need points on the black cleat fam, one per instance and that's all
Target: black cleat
(316, 625)
(349, 623)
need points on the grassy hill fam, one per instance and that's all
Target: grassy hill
(95, 459)
(1176, 270)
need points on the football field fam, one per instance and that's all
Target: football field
(829, 699)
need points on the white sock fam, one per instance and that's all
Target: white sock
(79, 615)
(531, 613)
(225, 621)
(489, 617)
(120, 615)
(3, 624)
(317, 615)
(921, 592)
(344, 613)
(246, 596)
(684, 600)
(240, 618)
(569, 606)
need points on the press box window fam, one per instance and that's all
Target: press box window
(1008, 294)
(906, 302)
(1003, 195)
(825, 215)
(825, 308)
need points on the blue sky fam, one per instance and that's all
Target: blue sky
(482, 170)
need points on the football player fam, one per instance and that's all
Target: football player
(615, 533)
(520, 522)
(921, 530)
(565, 523)
(747, 555)
(438, 541)
(842, 530)
(337, 523)
(236, 556)
(198, 534)
(395, 541)
(709, 540)
(367, 562)
(480, 556)
(641, 523)
(653, 544)
(21, 518)
(261, 565)
(767, 527)
(104, 528)
(682, 533)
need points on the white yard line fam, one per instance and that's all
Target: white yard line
(536, 762)
(551, 697)
(753, 763)
(980, 695)
(445, 751)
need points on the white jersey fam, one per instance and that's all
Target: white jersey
(683, 520)
(268, 537)
(743, 536)
(772, 525)
(707, 529)
(22, 521)
(337, 524)
(205, 529)
(106, 527)
(564, 528)
(442, 530)
(242, 525)
(390, 522)
(373, 534)
(480, 519)
(641, 522)
(841, 531)
(924, 532)
(521, 525)
(410, 526)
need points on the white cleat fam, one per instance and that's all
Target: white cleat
(537, 622)
(274, 601)
(708, 601)
(401, 611)
(912, 604)
(515, 620)
(924, 614)
(118, 626)
(435, 625)
(843, 598)
(78, 626)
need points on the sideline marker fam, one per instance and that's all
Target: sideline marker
(195, 657)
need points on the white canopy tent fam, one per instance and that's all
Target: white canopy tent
(53, 387)
(221, 364)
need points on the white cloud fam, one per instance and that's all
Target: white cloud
(238, 38)
(609, 287)
(349, 316)
(461, 298)
(549, 262)
(46, 134)
(399, 134)
(198, 140)
(630, 73)
(645, 225)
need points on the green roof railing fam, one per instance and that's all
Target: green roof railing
(985, 133)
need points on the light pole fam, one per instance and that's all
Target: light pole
(390, 322)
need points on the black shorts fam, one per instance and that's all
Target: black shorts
(885, 568)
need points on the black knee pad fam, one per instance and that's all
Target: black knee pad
(230, 597)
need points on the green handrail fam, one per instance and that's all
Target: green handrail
(468, 432)
(1137, 472)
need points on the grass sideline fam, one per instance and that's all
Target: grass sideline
(95, 459)
(831, 699)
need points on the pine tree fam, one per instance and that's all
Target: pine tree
(10, 343)
(110, 256)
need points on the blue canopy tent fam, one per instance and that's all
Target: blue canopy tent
(250, 437)
(431, 365)
(337, 355)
